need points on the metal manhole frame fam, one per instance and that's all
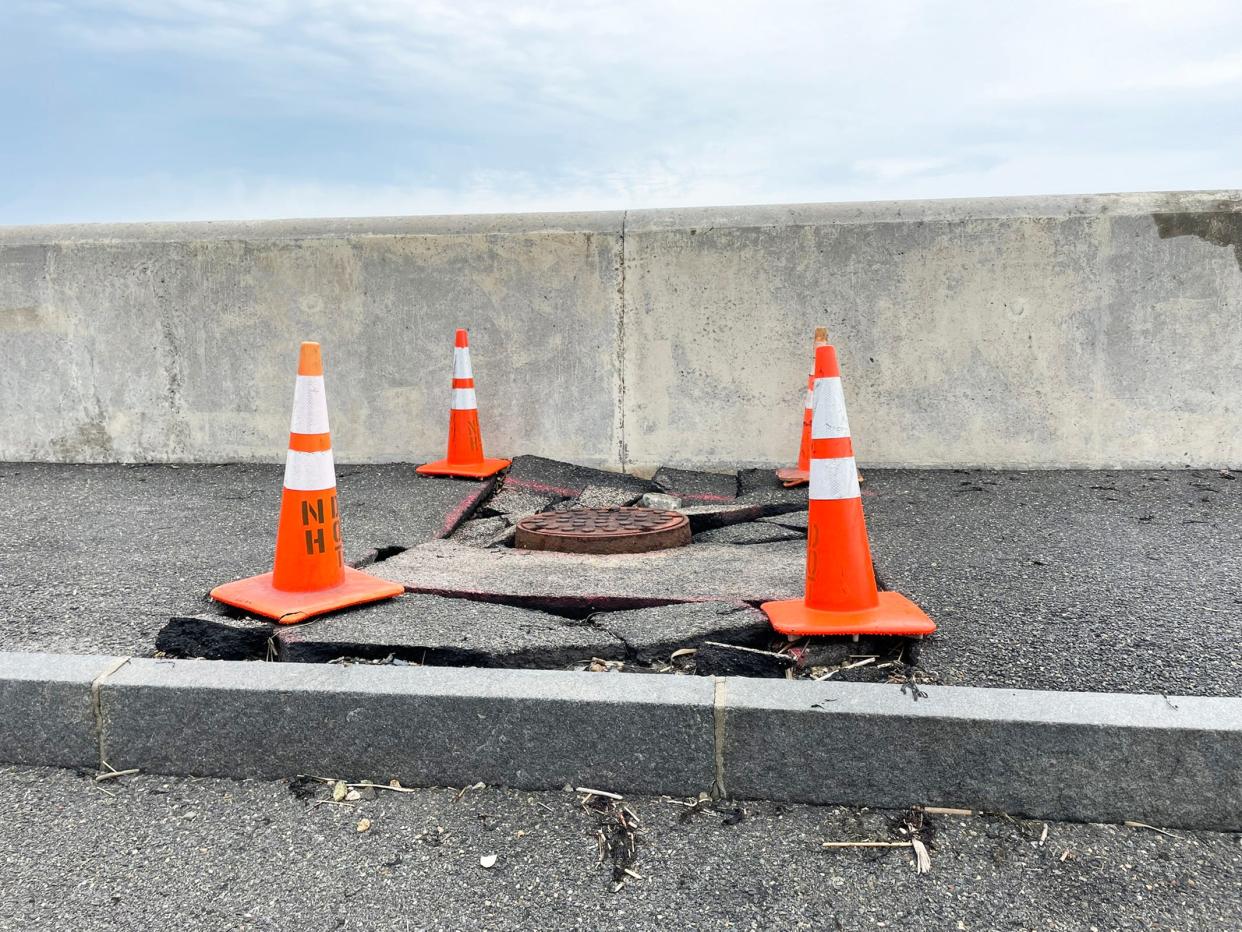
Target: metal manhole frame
(603, 531)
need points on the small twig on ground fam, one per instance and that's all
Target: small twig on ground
(1150, 828)
(328, 802)
(603, 793)
(365, 785)
(462, 792)
(113, 774)
(945, 810)
(868, 844)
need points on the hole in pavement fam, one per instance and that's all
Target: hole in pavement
(534, 641)
(221, 632)
(387, 553)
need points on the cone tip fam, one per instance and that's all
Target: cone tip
(461, 337)
(310, 360)
(821, 336)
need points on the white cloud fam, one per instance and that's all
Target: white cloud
(540, 105)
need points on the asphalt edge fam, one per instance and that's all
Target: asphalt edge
(1099, 757)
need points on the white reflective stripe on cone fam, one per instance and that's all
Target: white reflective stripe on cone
(461, 363)
(463, 399)
(829, 419)
(310, 472)
(834, 479)
(310, 406)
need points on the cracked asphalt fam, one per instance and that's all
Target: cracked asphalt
(1073, 580)
(196, 854)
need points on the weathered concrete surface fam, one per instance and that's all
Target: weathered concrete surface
(1165, 760)
(580, 583)
(47, 713)
(429, 629)
(1071, 331)
(178, 342)
(1080, 756)
(426, 726)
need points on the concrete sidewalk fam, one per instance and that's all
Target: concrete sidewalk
(1069, 580)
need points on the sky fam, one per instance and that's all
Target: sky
(119, 110)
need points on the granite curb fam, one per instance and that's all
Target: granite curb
(1100, 757)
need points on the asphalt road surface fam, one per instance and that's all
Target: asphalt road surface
(150, 852)
(1100, 581)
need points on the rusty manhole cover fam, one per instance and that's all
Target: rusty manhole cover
(604, 530)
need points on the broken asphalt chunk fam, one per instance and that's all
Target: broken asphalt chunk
(761, 487)
(438, 631)
(538, 474)
(482, 532)
(705, 517)
(751, 532)
(660, 500)
(606, 496)
(514, 504)
(569, 582)
(654, 633)
(794, 520)
(694, 487)
(392, 507)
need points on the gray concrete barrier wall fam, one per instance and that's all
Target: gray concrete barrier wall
(1029, 332)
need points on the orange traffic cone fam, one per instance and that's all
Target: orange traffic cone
(465, 443)
(841, 595)
(801, 474)
(309, 576)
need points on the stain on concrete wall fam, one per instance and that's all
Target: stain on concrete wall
(1221, 227)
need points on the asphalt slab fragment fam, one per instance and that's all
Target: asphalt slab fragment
(447, 632)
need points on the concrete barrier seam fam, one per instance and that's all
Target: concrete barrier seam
(719, 710)
(97, 708)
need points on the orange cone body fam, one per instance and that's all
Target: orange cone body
(801, 474)
(465, 443)
(309, 576)
(841, 594)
